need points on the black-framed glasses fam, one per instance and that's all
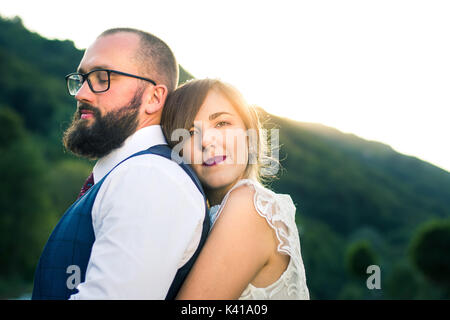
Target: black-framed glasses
(98, 80)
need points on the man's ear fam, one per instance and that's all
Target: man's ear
(154, 98)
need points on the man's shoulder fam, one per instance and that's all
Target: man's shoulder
(152, 165)
(155, 164)
(155, 181)
(149, 170)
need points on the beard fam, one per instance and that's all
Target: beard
(106, 133)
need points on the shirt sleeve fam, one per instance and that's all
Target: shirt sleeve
(146, 220)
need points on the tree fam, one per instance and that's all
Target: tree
(359, 256)
(26, 216)
(430, 252)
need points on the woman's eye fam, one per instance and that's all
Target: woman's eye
(193, 132)
(222, 123)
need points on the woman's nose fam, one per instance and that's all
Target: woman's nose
(211, 137)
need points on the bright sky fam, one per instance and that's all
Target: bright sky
(378, 69)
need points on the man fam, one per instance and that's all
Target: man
(135, 233)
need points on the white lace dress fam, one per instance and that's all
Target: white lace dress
(279, 212)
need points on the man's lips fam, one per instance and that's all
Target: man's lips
(86, 114)
(214, 160)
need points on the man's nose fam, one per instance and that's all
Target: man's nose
(85, 93)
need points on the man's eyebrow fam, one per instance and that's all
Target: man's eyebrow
(217, 114)
(82, 70)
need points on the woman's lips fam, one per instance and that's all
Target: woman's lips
(214, 160)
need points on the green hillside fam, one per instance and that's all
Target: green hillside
(349, 190)
(358, 202)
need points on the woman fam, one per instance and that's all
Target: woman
(253, 250)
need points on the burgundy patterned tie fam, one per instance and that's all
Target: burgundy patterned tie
(87, 184)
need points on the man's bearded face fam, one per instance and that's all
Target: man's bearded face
(96, 137)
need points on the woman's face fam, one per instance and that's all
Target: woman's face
(218, 148)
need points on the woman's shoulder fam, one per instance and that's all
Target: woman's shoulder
(249, 188)
(266, 202)
(252, 197)
(278, 211)
(242, 190)
(239, 206)
(240, 200)
(242, 193)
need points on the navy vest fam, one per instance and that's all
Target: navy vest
(72, 239)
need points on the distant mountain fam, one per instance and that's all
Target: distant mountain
(346, 189)
(375, 185)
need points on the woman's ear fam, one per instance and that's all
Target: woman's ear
(154, 99)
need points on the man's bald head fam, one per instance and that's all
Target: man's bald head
(154, 57)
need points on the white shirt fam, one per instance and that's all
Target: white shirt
(147, 219)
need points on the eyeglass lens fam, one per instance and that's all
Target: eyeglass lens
(98, 81)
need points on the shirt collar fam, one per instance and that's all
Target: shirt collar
(140, 140)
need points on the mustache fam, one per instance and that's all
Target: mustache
(85, 106)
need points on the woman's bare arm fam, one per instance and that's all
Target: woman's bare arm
(239, 245)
